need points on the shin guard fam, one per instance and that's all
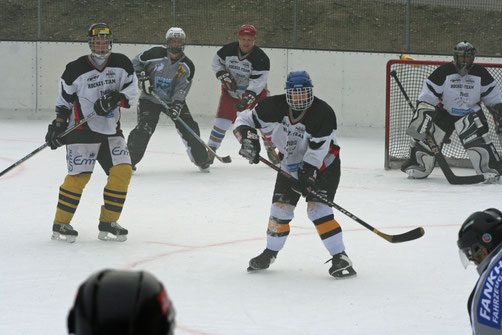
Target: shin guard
(115, 192)
(69, 197)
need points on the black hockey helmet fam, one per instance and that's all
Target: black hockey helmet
(481, 229)
(463, 57)
(113, 302)
(100, 40)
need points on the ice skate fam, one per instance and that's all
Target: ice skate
(262, 261)
(112, 231)
(341, 267)
(64, 232)
(204, 167)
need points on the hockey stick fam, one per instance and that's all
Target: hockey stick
(405, 237)
(45, 145)
(443, 164)
(225, 159)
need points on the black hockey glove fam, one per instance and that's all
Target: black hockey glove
(250, 143)
(307, 178)
(56, 128)
(144, 82)
(248, 98)
(226, 80)
(107, 103)
(174, 110)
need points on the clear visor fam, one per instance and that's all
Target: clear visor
(465, 256)
(299, 98)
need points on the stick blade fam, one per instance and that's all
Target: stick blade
(408, 236)
(226, 159)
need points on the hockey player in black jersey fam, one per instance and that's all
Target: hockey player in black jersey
(242, 68)
(169, 72)
(101, 82)
(451, 100)
(304, 131)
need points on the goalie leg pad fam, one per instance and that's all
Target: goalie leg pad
(422, 121)
(421, 161)
(474, 135)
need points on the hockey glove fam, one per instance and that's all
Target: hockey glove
(307, 178)
(174, 110)
(56, 128)
(250, 143)
(107, 103)
(248, 98)
(144, 82)
(226, 80)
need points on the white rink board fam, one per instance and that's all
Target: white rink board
(353, 83)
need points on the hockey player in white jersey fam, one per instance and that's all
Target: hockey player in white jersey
(451, 100)
(101, 82)
(168, 71)
(242, 68)
(480, 242)
(304, 131)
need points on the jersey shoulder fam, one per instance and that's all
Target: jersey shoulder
(75, 69)
(227, 50)
(482, 72)
(438, 76)
(157, 52)
(121, 61)
(272, 108)
(259, 59)
(321, 115)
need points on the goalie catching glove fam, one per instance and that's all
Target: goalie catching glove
(248, 98)
(56, 128)
(226, 80)
(174, 110)
(250, 143)
(307, 178)
(107, 103)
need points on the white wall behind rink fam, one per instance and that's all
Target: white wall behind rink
(353, 83)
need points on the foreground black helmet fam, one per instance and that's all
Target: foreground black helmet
(113, 302)
(463, 57)
(100, 40)
(481, 229)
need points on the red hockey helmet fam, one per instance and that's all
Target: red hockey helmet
(247, 29)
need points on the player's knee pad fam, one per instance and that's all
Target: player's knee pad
(422, 121)
(282, 211)
(119, 177)
(317, 210)
(421, 161)
(474, 135)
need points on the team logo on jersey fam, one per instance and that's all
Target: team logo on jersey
(488, 308)
(119, 151)
(181, 71)
(110, 73)
(158, 67)
(93, 78)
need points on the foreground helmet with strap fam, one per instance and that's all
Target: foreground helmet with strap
(100, 40)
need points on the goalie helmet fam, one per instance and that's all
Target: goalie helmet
(100, 40)
(481, 229)
(121, 302)
(463, 57)
(175, 40)
(299, 94)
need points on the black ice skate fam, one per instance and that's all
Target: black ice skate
(118, 233)
(64, 232)
(262, 261)
(341, 267)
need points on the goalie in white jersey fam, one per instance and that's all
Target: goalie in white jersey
(451, 100)
(101, 82)
(304, 131)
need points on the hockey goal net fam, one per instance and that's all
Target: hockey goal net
(398, 113)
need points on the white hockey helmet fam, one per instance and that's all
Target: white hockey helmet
(100, 40)
(175, 40)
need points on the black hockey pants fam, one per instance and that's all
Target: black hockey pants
(148, 117)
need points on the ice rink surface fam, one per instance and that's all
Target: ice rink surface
(196, 232)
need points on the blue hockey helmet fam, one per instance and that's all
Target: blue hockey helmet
(299, 95)
(121, 302)
(480, 229)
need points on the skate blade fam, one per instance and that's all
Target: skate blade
(66, 238)
(250, 269)
(105, 236)
(206, 170)
(344, 273)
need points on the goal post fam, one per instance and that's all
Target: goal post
(398, 114)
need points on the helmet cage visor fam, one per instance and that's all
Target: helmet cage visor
(175, 41)
(100, 42)
(464, 58)
(299, 98)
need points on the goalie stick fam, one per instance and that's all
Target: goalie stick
(404, 237)
(443, 164)
(226, 159)
(45, 145)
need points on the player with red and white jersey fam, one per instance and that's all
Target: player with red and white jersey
(304, 131)
(100, 83)
(243, 68)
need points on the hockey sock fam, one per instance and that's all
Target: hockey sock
(69, 197)
(115, 192)
(220, 127)
(278, 225)
(328, 229)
